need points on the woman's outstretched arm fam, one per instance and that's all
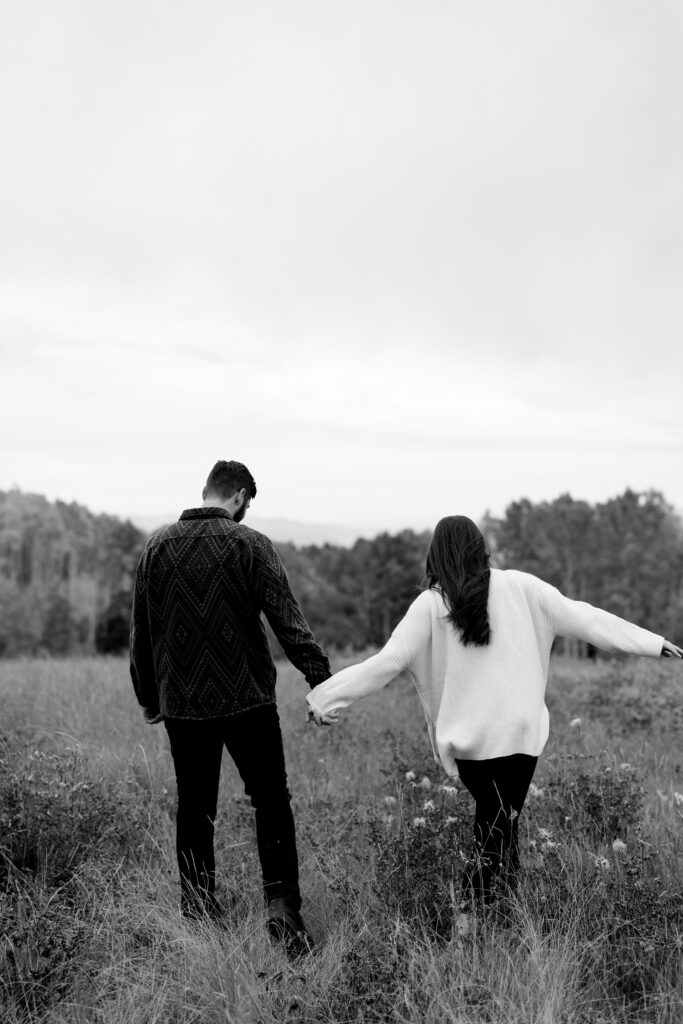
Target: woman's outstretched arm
(582, 621)
(358, 681)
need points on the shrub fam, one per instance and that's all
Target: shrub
(42, 935)
(644, 939)
(421, 840)
(586, 796)
(55, 813)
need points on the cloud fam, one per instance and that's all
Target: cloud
(382, 242)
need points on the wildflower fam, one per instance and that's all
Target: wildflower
(544, 833)
(463, 924)
(625, 766)
(550, 845)
(602, 863)
(419, 822)
(389, 801)
(619, 846)
(428, 805)
(513, 814)
(678, 799)
(425, 782)
(575, 723)
(410, 776)
(535, 791)
(450, 820)
(449, 790)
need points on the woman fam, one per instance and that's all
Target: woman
(476, 643)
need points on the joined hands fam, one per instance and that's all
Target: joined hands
(151, 716)
(320, 718)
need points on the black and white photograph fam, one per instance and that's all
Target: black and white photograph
(341, 512)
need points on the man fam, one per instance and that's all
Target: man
(200, 661)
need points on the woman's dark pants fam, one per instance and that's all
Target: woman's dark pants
(254, 741)
(499, 786)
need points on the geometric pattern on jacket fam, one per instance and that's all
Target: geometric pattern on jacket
(198, 646)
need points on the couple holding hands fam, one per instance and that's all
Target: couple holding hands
(476, 643)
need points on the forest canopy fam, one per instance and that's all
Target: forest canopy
(66, 574)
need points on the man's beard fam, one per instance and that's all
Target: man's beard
(239, 515)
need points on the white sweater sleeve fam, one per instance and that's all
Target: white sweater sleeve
(357, 681)
(581, 621)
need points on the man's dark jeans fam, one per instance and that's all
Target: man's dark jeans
(499, 786)
(254, 741)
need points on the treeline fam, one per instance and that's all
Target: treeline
(624, 555)
(66, 575)
(353, 597)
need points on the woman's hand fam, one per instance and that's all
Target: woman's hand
(320, 718)
(670, 650)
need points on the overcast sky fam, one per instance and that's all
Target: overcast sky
(404, 259)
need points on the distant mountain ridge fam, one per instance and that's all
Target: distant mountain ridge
(290, 531)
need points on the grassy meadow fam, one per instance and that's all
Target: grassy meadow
(89, 922)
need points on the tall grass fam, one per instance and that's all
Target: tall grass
(88, 892)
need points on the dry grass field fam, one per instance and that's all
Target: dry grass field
(89, 925)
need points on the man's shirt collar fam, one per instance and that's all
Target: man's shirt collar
(206, 512)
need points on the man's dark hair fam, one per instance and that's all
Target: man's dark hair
(226, 478)
(458, 566)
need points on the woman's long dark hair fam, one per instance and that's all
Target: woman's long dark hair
(458, 566)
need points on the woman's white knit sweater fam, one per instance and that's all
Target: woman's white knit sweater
(483, 702)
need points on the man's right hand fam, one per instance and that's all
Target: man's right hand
(151, 717)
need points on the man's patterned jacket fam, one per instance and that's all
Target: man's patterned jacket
(198, 644)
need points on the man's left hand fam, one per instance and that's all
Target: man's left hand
(151, 717)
